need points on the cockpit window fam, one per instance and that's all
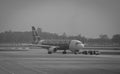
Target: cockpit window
(78, 43)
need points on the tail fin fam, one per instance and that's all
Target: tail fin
(36, 37)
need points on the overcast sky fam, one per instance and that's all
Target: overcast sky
(89, 18)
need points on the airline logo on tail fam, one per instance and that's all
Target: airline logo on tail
(36, 37)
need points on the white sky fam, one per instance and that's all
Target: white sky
(89, 18)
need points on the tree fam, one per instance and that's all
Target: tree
(64, 35)
(116, 38)
(103, 36)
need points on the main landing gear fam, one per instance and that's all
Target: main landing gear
(49, 52)
(64, 52)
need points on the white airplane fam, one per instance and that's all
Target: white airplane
(52, 45)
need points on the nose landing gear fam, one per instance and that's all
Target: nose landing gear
(76, 51)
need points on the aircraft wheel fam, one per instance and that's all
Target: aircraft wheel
(80, 52)
(97, 52)
(49, 52)
(94, 52)
(91, 52)
(55, 50)
(75, 52)
(85, 52)
(64, 52)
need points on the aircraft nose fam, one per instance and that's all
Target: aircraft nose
(81, 46)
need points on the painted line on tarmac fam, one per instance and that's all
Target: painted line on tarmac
(40, 71)
(6, 70)
(108, 56)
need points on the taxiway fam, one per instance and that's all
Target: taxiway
(37, 61)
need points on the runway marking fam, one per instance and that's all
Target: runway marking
(108, 56)
(33, 69)
(18, 64)
(6, 70)
(109, 71)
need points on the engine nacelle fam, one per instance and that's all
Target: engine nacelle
(52, 50)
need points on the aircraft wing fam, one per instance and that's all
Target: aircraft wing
(42, 46)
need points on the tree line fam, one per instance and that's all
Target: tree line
(26, 37)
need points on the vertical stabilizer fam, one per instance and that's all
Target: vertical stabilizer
(36, 37)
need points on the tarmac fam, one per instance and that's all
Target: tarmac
(37, 61)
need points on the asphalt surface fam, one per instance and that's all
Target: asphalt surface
(37, 61)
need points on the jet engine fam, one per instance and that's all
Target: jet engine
(52, 50)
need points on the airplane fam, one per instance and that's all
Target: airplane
(52, 45)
